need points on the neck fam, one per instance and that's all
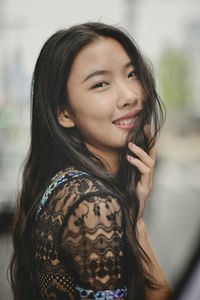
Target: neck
(110, 158)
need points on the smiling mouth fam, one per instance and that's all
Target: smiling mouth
(125, 124)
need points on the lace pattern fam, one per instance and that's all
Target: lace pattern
(58, 180)
(79, 246)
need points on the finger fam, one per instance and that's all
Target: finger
(153, 153)
(143, 168)
(142, 155)
(146, 172)
(148, 133)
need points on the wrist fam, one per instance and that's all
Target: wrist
(141, 228)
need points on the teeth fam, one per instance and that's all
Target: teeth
(124, 122)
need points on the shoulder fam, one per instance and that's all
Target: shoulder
(82, 188)
(71, 188)
(94, 210)
(79, 182)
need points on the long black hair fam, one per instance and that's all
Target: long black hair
(52, 147)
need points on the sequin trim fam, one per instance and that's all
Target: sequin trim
(102, 295)
(58, 180)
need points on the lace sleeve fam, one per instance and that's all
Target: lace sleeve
(93, 238)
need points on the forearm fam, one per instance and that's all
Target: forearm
(165, 291)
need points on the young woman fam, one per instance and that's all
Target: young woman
(79, 232)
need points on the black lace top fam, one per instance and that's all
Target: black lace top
(78, 243)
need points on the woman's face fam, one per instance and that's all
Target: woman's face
(102, 89)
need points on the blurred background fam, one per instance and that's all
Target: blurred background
(168, 32)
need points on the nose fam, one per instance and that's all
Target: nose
(126, 95)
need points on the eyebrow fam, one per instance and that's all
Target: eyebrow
(103, 72)
(95, 73)
(129, 64)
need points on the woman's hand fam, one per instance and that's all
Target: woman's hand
(145, 164)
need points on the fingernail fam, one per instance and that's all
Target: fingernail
(131, 144)
(130, 158)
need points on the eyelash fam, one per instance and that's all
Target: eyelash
(101, 84)
(133, 72)
(96, 86)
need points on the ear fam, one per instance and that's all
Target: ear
(65, 120)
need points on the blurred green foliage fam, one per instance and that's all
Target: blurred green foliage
(6, 118)
(174, 78)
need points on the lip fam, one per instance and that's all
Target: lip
(128, 115)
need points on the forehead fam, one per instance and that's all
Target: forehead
(105, 52)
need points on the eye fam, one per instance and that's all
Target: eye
(99, 85)
(132, 74)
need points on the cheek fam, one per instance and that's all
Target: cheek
(96, 109)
